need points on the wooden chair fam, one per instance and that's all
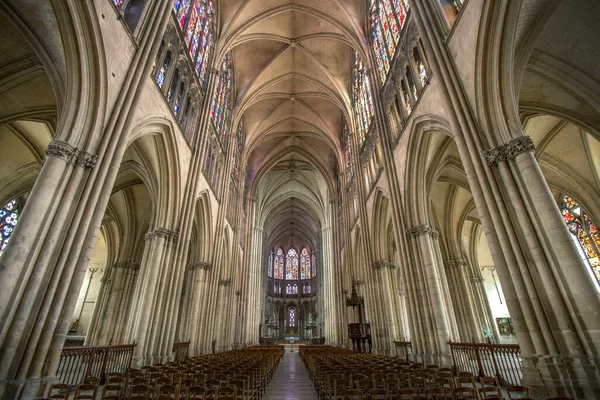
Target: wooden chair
(195, 392)
(86, 391)
(437, 393)
(166, 392)
(408, 394)
(352, 394)
(381, 394)
(489, 392)
(464, 392)
(139, 391)
(517, 392)
(59, 391)
(112, 391)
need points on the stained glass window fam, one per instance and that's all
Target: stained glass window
(292, 316)
(277, 288)
(307, 289)
(347, 147)
(162, 72)
(270, 265)
(238, 147)
(222, 101)
(291, 264)
(387, 19)
(9, 216)
(118, 3)
(304, 264)
(585, 235)
(278, 264)
(313, 263)
(291, 289)
(363, 99)
(196, 21)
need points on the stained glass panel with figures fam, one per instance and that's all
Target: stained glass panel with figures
(313, 263)
(291, 264)
(222, 101)
(304, 264)
(278, 264)
(362, 98)
(270, 265)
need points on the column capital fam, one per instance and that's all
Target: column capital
(127, 265)
(454, 263)
(422, 229)
(508, 151)
(167, 234)
(383, 264)
(225, 282)
(70, 154)
(200, 265)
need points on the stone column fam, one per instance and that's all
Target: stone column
(565, 327)
(436, 321)
(384, 270)
(111, 314)
(469, 327)
(150, 308)
(198, 287)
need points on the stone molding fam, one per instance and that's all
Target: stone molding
(422, 229)
(477, 279)
(454, 263)
(508, 151)
(71, 155)
(383, 264)
(200, 265)
(127, 265)
(167, 234)
(224, 282)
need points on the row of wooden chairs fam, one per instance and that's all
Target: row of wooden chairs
(236, 375)
(340, 374)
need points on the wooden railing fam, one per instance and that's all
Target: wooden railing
(78, 362)
(483, 359)
(404, 350)
(181, 350)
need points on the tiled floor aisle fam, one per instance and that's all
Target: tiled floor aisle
(291, 381)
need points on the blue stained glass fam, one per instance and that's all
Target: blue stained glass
(9, 216)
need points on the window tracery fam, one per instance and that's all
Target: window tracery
(304, 264)
(387, 21)
(9, 217)
(278, 264)
(585, 236)
(347, 147)
(292, 316)
(362, 98)
(313, 263)
(291, 264)
(220, 110)
(270, 265)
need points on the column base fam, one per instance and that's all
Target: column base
(561, 376)
(27, 389)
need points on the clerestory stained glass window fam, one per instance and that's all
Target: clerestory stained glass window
(304, 264)
(313, 263)
(278, 264)
(9, 216)
(387, 19)
(223, 101)
(196, 21)
(307, 289)
(585, 235)
(362, 99)
(238, 147)
(347, 147)
(270, 265)
(292, 316)
(291, 264)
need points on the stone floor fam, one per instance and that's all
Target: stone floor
(291, 381)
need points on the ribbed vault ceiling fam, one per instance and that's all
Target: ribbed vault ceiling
(293, 63)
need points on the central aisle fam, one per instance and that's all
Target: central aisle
(291, 381)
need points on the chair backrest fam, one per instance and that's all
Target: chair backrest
(489, 391)
(517, 392)
(59, 391)
(380, 394)
(407, 393)
(111, 389)
(437, 393)
(86, 391)
(464, 392)
(92, 380)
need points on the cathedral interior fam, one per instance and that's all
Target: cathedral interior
(393, 177)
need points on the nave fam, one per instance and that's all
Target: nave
(416, 179)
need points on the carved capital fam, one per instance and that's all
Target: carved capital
(127, 265)
(454, 263)
(200, 265)
(508, 151)
(423, 229)
(86, 160)
(225, 282)
(383, 264)
(60, 149)
(167, 234)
